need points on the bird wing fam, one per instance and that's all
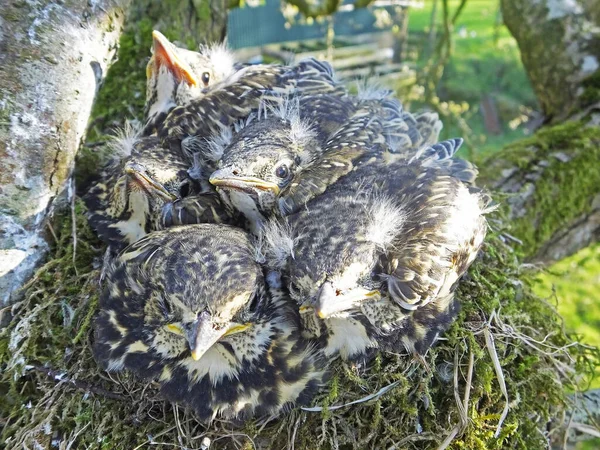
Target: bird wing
(201, 208)
(245, 91)
(358, 138)
(429, 126)
(443, 232)
(441, 156)
(326, 113)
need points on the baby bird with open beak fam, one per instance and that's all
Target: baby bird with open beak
(175, 76)
(189, 308)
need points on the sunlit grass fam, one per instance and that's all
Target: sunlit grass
(485, 61)
(576, 282)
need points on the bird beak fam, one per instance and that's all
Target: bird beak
(306, 308)
(224, 178)
(139, 176)
(165, 54)
(329, 302)
(202, 335)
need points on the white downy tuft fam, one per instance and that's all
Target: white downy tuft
(125, 138)
(221, 59)
(278, 243)
(386, 220)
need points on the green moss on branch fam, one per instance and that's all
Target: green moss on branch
(555, 174)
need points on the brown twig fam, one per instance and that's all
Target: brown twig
(81, 385)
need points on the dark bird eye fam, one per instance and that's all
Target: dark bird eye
(184, 189)
(282, 171)
(205, 78)
(254, 302)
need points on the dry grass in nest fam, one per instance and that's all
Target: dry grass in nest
(495, 380)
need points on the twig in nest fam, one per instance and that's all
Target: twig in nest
(71, 193)
(377, 394)
(52, 232)
(568, 427)
(462, 406)
(489, 342)
(60, 377)
(450, 438)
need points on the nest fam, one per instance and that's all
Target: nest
(497, 379)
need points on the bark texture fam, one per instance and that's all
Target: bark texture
(53, 56)
(560, 48)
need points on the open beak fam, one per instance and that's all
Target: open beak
(223, 178)
(140, 177)
(329, 302)
(166, 54)
(202, 334)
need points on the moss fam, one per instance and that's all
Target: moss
(591, 89)
(50, 381)
(563, 189)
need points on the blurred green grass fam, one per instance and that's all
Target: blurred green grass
(576, 282)
(486, 60)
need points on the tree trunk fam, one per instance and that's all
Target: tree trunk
(53, 56)
(552, 179)
(560, 49)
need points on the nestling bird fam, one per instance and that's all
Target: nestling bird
(274, 165)
(137, 188)
(175, 76)
(374, 261)
(241, 94)
(189, 308)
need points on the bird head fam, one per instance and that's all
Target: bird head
(175, 76)
(333, 285)
(334, 265)
(261, 161)
(140, 185)
(198, 285)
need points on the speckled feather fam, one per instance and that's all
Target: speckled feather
(416, 265)
(195, 209)
(347, 132)
(237, 96)
(263, 370)
(108, 200)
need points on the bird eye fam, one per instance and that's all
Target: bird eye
(184, 189)
(175, 328)
(282, 171)
(205, 78)
(254, 302)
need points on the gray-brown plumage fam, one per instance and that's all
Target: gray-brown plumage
(137, 188)
(276, 164)
(240, 94)
(188, 307)
(374, 261)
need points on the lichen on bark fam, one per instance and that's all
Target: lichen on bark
(52, 58)
(565, 33)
